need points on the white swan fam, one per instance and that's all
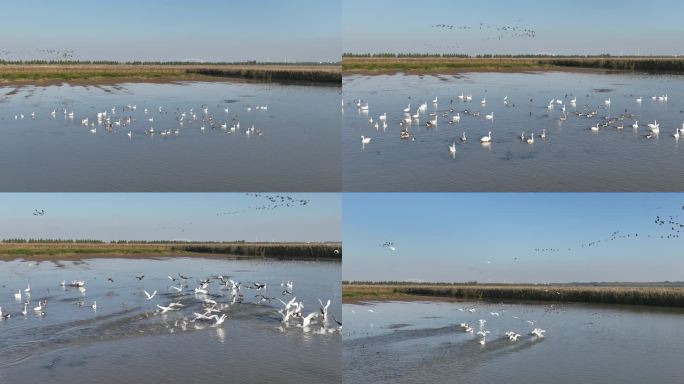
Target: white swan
(365, 140)
(452, 149)
(463, 137)
(530, 140)
(636, 124)
(543, 134)
(639, 99)
(490, 116)
(407, 109)
(307, 319)
(456, 118)
(487, 139)
(538, 332)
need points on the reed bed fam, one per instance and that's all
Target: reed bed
(17, 73)
(666, 296)
(279, 251)
(441, 64)
(270, 251)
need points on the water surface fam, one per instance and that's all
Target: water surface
(127, 340)
(571, 158)
(295, 144)
(422, 342)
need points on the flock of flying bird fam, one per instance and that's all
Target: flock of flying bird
(273, 202)
(671, 223)
(504, 31)
(216, 296)
(453, 116)
(125, 118)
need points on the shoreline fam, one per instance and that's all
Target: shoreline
(248, 251)
(104, 74)
(665, 296)
(458, 65)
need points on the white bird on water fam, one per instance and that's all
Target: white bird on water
(490, 116)
(487, 139)
(306, 321)
(17, 296)
(452, 149)
(365, 140)
(538, 332)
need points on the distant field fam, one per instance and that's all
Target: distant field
(666, 296)
(282, 251)
(51, 73)
(380, 65)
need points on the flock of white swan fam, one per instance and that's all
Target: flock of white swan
(412, 117)
(134, 123)
(482, 332)
(480, 328)
(215, 296)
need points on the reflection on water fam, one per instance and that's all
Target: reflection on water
(68, 339)
(423, 342)
(183, 137)
(570, 156)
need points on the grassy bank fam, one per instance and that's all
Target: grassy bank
(427, 65)
(279, 251)
(94, 73)
(665, 296)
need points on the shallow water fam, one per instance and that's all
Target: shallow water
(422, 342)
(299, 148)
(571, 158)
(126, 333)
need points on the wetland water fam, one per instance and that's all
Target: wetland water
(295, 144)
(127, 340)
(422, 342)
(572, 157)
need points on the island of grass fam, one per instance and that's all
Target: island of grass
(454, 63)
(664, 294)
(46, 250)
(88, 72)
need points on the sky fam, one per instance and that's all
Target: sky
(206, 30)
(489, 237)
(571, 27)
(168, 216)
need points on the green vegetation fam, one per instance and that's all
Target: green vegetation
(60, 249)
(668, 295)
(447, 63)
(270, 251)
(312, 76)
(50, 72)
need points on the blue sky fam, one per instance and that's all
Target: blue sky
(580, 26)
(466, 237)
(166, 216)
(211, 30)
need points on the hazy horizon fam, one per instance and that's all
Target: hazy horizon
(204, 30)
(171, 216)
(512, 237)
(503, 27)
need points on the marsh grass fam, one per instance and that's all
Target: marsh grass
(280, 251)
(17, 73)
(665, 296)
(462, 64)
